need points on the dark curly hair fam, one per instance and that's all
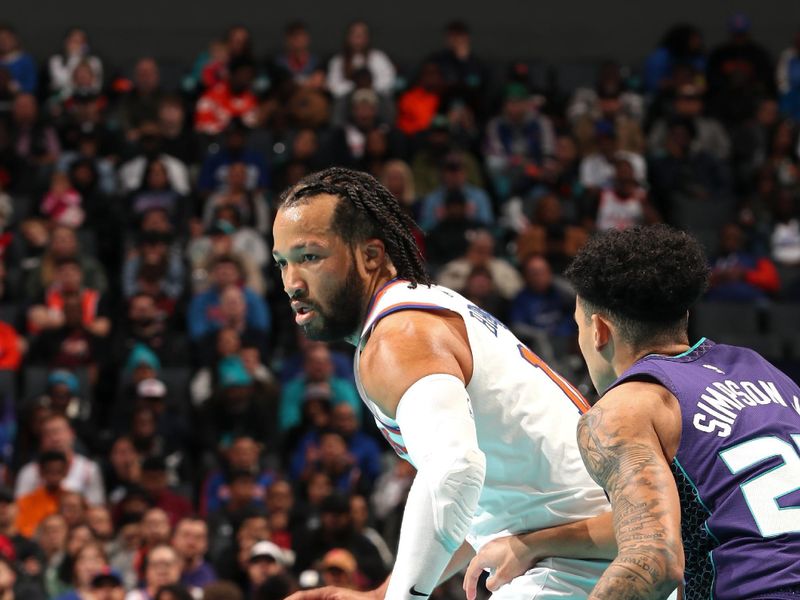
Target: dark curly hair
(644, 279)
(366, 210)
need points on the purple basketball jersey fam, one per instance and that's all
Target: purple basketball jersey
(737, 470)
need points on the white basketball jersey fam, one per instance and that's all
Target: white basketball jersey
(526, 418)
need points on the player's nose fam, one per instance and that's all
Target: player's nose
(293, 284)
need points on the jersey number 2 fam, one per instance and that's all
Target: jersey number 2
(763, 491)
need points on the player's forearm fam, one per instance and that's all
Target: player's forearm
(458, 562)
(639, 574)
(589, 538)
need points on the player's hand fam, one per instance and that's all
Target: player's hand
(506, 557)
(333, 593)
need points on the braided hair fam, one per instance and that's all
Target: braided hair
(366, 210)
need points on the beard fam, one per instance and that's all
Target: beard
(344, 315)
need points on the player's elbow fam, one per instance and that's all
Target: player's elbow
(673, 572)
(456, 483)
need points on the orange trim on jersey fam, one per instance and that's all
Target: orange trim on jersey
(377, 297)
(577, 398)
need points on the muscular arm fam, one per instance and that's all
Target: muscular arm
(624, 441)
(415, 367)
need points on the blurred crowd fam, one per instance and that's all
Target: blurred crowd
(165, 432)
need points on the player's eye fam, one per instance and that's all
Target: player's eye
(310, 257)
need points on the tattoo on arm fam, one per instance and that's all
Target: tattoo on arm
(636, 478)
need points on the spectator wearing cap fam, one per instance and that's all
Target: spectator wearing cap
(266, 560)
(107, 584)
(740, 72)
(417, 106)
(243, 454)
(237, 408)
(336, 531)
(358, 53)
(229, 99)
(135, 173)
(318, 381)
(517, 141)
(190, 540)
(433, 146)
(454, 178)
(710, 136)
(340, 569)
(597, 168)
(83, 475)
(204, 314)
(44, 500)
(63, 397)
(155, 481)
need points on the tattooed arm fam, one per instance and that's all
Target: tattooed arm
(626, 441)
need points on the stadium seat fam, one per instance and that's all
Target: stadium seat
(720, 320)
(785, 324)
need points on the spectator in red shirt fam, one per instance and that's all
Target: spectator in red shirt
(229, 100)
(417, 107)
(154, 480)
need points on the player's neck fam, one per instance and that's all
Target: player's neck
(665, 349)
(381, 278)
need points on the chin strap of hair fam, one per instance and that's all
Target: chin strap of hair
(438, 428)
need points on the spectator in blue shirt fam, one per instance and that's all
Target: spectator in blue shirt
(317, 381)
(454, 177)
(190, 540)
(544, 305)
(19, 63)
(205, 315)
(214, 171)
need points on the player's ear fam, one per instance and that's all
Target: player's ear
(601, 331)
(374, 254)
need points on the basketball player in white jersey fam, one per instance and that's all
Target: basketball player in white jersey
(489, 426)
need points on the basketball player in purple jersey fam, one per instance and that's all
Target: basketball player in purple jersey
(696, 443)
